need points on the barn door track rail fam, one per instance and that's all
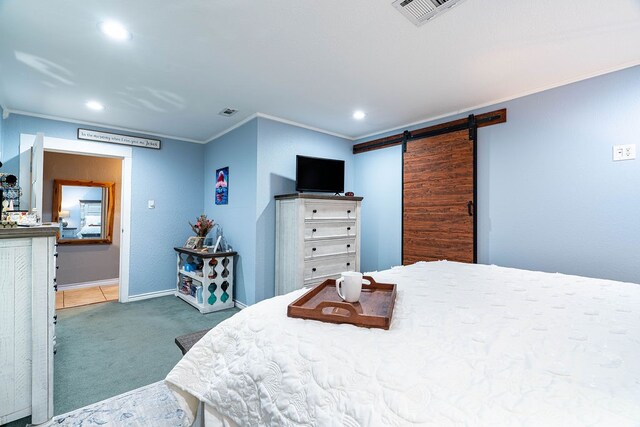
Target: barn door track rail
(473, 122)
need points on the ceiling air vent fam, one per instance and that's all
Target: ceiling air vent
(228, 112)
(420, 11)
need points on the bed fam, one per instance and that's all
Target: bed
(90, 219)
(473, 345)
(89, 231)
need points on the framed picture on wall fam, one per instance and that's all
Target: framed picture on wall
(222, 186)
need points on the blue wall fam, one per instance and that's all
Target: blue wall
(278, 145)
(237, 150)
(171, 176)
(549, 196)
(378, 178)
(261, 156)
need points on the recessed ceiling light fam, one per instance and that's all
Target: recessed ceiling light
(95, 105)
(359, 115)
(115, 30)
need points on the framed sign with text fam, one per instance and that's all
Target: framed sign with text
(114, 138)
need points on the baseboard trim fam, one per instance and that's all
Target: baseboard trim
(150, 295)
(91, 284)
(158, 294)
(240, 305)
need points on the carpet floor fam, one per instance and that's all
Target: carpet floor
(110, 348)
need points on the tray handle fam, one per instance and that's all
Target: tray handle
(334, 304)
(372, 282)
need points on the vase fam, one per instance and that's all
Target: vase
(200, 243)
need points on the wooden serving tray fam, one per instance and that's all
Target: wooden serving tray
(374, 310)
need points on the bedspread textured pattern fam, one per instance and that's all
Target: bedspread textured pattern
(468, 345)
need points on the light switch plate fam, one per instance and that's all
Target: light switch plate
(151, 204)
(624, 152)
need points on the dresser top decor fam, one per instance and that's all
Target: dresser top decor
(204, 254)
(38, 231)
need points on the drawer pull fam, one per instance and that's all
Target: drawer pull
(348, 228)
(314, 249)
(313, 269)
(313, 231)
(348, 246)
(348, 264)
(315, 211)
(349, 211)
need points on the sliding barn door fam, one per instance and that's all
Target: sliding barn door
(438, 199)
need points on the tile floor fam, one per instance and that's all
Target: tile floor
(86, 296)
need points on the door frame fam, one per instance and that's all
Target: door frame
(99, 149)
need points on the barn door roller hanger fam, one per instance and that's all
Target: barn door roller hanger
(471, 124)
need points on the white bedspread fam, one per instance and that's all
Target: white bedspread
(89, 230)
(468, 345)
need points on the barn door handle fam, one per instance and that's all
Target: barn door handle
(470, 207)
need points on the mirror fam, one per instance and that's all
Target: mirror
(84, 210)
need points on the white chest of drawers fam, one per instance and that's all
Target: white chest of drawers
(317, 238)
(27, 323)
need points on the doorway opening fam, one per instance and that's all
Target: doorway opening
(82, 194)
(32, 153)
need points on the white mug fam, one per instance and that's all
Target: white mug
(349, 286)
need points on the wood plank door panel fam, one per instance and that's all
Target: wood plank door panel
(438, 184)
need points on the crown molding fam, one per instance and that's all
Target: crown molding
(229, 129)
(302, 125)
(505, 99)
(280, 120)
(102, 125)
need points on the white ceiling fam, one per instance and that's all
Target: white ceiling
(312, 62)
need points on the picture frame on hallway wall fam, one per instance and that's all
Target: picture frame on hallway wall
(222, 186)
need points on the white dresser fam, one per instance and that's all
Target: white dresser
(27, 323)
(317, 238)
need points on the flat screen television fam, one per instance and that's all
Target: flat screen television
(319, 175)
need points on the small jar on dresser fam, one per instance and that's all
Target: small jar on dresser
(317, 238)
(27, 322)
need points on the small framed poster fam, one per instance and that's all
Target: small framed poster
(222, 186)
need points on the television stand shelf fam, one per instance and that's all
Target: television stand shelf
(205, 279)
